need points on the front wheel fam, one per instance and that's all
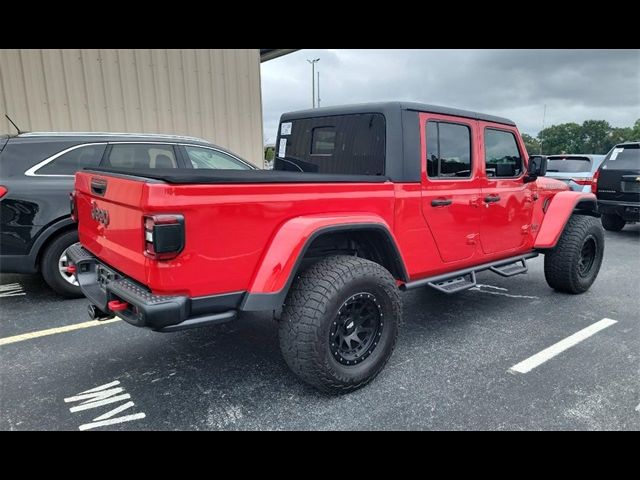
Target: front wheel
(340, 322)
(573, 265)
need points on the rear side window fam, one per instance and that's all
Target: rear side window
(340, 144)
(140, 155)
(209, 158)
(448, 150)
(568, 165)
(626, 157)
(502, 157)
(73, 160)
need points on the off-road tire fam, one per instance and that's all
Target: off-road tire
(312, 307)
(49, 265)
(612, 222)
(562, 265)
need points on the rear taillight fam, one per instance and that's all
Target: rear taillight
(3, 191)
(163, 236)
(583, 181)
(73, 206)
(594, 182)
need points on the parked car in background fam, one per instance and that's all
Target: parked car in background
(36, 178)
(576, 170)
(617, 186)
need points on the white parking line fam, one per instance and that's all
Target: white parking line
(54, 331)
(557, 348)
(11, 290)
(100, 396)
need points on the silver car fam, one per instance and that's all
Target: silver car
(576, 170)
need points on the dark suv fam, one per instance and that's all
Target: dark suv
(36, 177)
(617, 186)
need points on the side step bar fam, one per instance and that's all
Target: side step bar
(511, 269)
(456, 284)
(464, 279)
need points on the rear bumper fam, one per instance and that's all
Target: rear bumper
(102, 284)
(629, 211)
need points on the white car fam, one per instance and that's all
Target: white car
(576, 170)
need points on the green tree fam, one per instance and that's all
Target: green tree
(532, 144)
(635, 131)
(563, 138)
(269, 153)
(595, 137)
(619, 135)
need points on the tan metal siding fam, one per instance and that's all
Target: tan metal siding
(213, 94)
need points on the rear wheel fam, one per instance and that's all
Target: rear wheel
(612, 222)
(54, 266)
(340, 323)
(573, 265)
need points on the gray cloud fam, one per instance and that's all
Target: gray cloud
(576, 85)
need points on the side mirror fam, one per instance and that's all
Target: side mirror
(537, 168)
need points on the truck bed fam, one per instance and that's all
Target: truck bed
(231, 218)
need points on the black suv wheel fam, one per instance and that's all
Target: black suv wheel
(54, 266)
(612, 222)
(340, 323)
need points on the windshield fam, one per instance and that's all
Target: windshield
(568, 164)
(624, 157)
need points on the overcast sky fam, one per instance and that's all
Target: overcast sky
(576, 85)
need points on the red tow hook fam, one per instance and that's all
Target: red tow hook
(71, 269)
(117, 305)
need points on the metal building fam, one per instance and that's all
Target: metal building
(213, 94)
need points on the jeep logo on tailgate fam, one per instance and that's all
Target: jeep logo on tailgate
(99, 215)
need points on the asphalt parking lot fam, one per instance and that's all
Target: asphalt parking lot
(450, 369)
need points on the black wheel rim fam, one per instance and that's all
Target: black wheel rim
(587, 256)
(357, 328)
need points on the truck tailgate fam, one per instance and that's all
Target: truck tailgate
(109, 209)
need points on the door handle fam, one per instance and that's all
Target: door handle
(98, 186)
(492, 198)
(441, 202)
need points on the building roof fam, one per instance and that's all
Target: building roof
(271, 53)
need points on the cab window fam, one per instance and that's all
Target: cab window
(448, 150)
(501, 154)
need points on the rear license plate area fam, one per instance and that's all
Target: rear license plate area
(105, 275)
(631, 187)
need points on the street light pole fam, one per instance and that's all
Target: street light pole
(318, 89)
(313, 81)
(544, 114)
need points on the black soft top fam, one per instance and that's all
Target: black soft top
(216, 176)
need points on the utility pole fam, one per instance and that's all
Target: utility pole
(318, 89)
(544, 114)
(313, 80)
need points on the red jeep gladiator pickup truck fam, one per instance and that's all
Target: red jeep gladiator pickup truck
(364, 201)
